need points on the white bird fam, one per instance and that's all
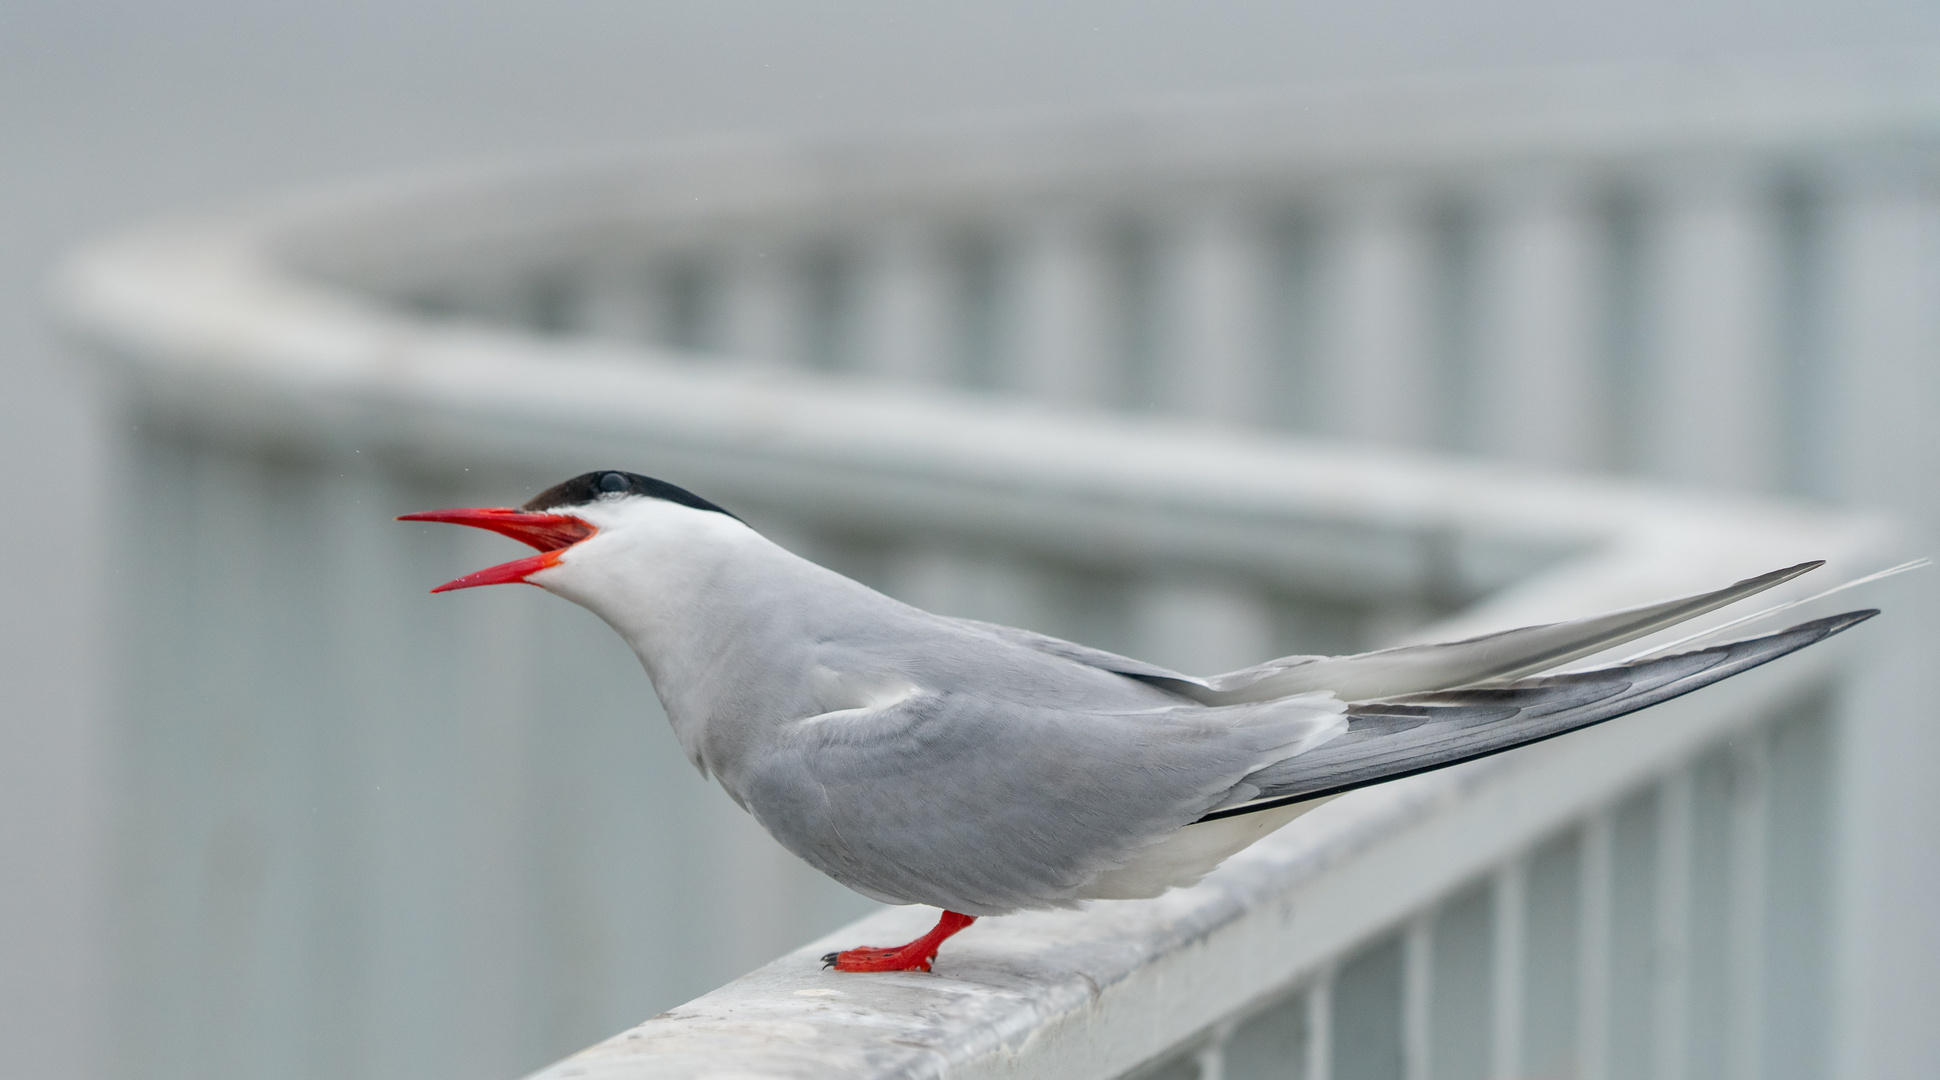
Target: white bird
(982, 769)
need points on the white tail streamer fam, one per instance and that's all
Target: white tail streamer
(1659, 650)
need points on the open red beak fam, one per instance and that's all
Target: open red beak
(550, 533)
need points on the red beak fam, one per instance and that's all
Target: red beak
(550, 533)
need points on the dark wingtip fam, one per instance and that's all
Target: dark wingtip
(1836, 623)
(829, 959)
(1790, 572)
(1799, 635)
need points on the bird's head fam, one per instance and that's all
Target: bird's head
(618, 505)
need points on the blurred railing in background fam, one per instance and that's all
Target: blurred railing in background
(1694, 280)
(370, 833)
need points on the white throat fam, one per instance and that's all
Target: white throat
(722, 618)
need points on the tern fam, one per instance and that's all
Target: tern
(984, 769)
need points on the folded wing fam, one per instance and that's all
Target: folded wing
(984, 804)
(1506, 655)
(1411, 733)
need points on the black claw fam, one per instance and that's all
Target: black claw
(828, 960)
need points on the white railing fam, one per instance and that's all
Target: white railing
(1629, 906)
(1708, 279)
(389, 833)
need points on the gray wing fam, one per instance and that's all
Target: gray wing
(1508, 654)
(985, 806)
(1414, 733)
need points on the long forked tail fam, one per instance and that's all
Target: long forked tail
(1400, 736)
(1506, 654)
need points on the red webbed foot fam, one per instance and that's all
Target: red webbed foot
(902, 958)
(915, 956)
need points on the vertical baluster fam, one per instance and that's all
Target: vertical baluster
(1671, 980)
(234, 854)
(1803, 368)
(1379, 383)
(981, 330)
(1214, 368)
(828, 310)
(1292, 394)
(1537, 373)
(903, 294)
(1210, 1061)
(686, 303)
(1371, 1000)
(993, 587)
(411, 662)
(1320, 1028)
(1507, 967)
(1063, 306)
(1462, 986)
(1798, 917)
(1749, 813)
(762, 302)
(478, 762)
(499, 295)
(614, 300)
(1270, 1045)
(1633, 936)
(1183, 1067)
(1711, 407)
(1202, 625)
(1593, 997)
(366, 613)
(1142, 317)
(551, 299)
(1707, 1020)
(1452, 322)
(1552, 949)
(155, 756)
(1624, 359)
(1417, 998)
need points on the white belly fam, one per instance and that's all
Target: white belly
(1189, 854)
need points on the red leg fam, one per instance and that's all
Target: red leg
(915, 956)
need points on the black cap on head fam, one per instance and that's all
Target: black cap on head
(591, 487)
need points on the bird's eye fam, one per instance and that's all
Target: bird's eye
(615, 482)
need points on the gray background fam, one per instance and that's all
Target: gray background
(111, 113)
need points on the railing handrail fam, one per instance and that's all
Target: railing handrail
(210, 325)
(1097, 993)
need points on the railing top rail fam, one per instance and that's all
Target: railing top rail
(1097, 993)
(207, 324)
